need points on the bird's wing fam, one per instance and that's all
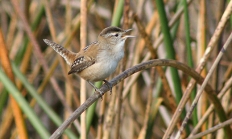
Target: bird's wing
(85, 58)
(81, 63)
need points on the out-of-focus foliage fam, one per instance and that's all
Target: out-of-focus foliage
(46, 94)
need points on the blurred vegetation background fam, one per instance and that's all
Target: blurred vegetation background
(37, 95)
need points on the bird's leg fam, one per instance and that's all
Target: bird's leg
(96, 89)
(109, 85)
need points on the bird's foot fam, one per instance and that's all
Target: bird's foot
(109, 85)
(99, 91)
(96, 89)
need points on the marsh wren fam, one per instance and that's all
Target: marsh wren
(98, 60)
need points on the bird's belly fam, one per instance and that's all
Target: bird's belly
(99, 71)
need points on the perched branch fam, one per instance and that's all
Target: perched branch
(142, 66)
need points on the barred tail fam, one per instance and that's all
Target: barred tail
(66, 54)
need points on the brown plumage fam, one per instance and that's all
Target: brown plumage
(99, 59)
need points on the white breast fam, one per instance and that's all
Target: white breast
(106, 64)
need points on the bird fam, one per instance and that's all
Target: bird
(98, 60)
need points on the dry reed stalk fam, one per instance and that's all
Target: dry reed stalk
(83, 40)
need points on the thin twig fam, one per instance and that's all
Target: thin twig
(50, 20)
(227, 85)
(213, 129)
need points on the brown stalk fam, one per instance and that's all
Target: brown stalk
(50, 71)
(6, 124)
(26, 59)
(132, 85)
(226, 87)
(12, 30)
(213, 129)
(8, 116)
(115, 102)
(83, 40)
(101, 118)
(168, 92)
(122, 68)
(68, 97)
(142, 133)
(37, 50)
(201, 43)
(45, 67)
(6, 64)
(171, 23)
(227, 130)
(50, 20)
(69, 88)
(210, 46)
(76, 22)
(157, 43)
(108, 123)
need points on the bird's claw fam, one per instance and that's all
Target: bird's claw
(109, 85)
(100, 92)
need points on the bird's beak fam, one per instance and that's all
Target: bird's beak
(128, 36)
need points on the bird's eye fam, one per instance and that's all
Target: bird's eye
(116, 35)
